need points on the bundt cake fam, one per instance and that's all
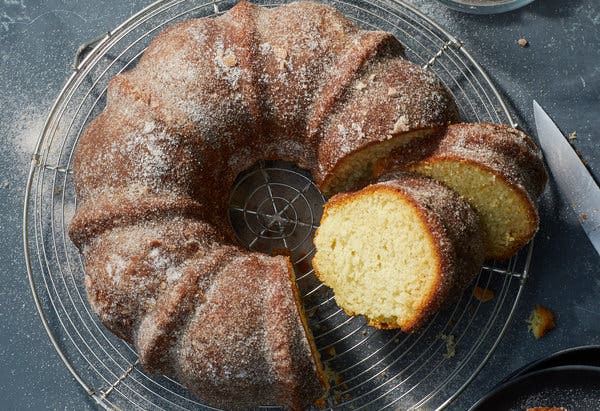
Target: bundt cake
(397, 250)
(208, 98)
(225, 322)
(499, 170)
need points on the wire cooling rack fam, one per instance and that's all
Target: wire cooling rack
(273, 205)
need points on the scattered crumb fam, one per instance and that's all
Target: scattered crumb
(280, 52)
(363, 332)
(572, 136)
(450, 345)
(321, 403)
(331, 351)
(471, 308)
(483, 294)
(546, 409)
(523, 42)
(393, 92)
(230, 61)
(540, 321)
(336, 380)
(584, 216)
(281, 55)
(333, 377)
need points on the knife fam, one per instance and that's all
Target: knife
(574, 181)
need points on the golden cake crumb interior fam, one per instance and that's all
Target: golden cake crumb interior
(376, 252)
(505, 215)
(358, 168)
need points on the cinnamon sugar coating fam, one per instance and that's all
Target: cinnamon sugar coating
(209, 98)
(509, 152)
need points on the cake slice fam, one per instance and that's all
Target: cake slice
(396, 251)
(496, 168)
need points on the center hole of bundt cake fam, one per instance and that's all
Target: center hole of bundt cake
(277, 215)
(275, 206)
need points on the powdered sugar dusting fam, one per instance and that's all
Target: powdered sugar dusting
(153, 149)
(23, 132)
(227, 64)
(116, 267)
(173, 274)
(401, 125)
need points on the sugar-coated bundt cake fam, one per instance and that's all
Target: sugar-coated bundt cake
(397, 250)
(223, 321)
(498, 169)
(209, 98)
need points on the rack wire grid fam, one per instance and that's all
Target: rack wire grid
(273, 205)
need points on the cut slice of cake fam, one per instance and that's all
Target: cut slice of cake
(396, 251)
(497, 169)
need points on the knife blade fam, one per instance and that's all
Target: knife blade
(574, 181)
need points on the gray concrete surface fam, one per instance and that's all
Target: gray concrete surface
(560, 69)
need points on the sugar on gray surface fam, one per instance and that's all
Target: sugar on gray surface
(23, 131)
(439, 14)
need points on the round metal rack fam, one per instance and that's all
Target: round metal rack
(274, 206)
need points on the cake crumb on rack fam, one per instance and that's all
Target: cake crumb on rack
(523, 42)
(572, 136)
(483, 294)
(541, 320)
(584, 216)
(450, 345)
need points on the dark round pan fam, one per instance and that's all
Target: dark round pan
(584, 355)
(573, 387)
